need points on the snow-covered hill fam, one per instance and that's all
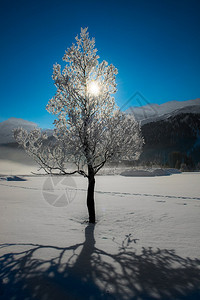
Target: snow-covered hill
(175, 127)
(195, 109)
(7, 127)
(145, 114)
(154, 112)
(173, 134)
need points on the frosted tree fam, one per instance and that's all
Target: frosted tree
(89, 129)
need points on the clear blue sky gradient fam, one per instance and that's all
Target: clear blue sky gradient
(154, 44)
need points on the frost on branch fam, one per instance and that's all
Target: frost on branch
(49, 155)
(89, 128)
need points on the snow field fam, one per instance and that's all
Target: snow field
(145, 244)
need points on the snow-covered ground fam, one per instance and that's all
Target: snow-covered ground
(145, 245)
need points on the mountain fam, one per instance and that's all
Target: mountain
(154, 112)
(7, 127)
(173, 139)
(171, 132)
(9, 149)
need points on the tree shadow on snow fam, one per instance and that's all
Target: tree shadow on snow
(82, 271)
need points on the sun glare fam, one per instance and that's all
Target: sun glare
(93, 88)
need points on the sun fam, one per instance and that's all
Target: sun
(93, 88)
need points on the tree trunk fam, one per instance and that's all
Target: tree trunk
(90, 194)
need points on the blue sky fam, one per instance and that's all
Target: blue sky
(154, 44)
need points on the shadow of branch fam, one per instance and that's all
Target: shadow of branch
(82, 271)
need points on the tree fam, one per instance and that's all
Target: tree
(89, 130)
(175, 159)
